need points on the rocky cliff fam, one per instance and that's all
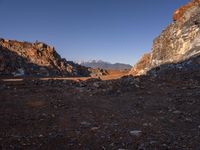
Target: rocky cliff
(178, 42)
(35, 59)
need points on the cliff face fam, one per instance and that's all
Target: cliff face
(24, 58)
(178, 42)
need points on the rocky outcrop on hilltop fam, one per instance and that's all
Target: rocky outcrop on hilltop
(178, 42)
(36, 59)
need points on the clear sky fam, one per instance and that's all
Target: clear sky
(110, 30)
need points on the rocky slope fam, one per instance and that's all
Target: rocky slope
(140, 113)
(178, 42)
(37, 59)
(105, 65)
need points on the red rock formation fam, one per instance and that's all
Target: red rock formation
(178, 14)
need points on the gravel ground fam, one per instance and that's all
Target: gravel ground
(143, 113)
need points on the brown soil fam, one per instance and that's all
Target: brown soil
(56, 114)
(115, 74)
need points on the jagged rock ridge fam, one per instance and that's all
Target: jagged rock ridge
(24, 58)
(105, 65)
(178, 42)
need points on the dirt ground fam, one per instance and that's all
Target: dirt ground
(59, 114)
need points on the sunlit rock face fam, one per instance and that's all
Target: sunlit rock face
(142, 66)
(178, 42)
(182, 13)
(35, 59)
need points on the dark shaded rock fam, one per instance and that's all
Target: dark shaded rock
(35, 59)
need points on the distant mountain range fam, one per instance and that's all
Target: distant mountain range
(104, 65)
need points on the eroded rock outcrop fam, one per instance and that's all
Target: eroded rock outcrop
(178, 42)
(35, 59)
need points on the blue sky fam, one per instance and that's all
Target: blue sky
(110, 30)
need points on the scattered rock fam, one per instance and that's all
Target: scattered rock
(136, 133)
(20, 72)
(85, 124)
(94, 128)
(176, 112)
(95, 84)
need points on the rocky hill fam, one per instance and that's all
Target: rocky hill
(180, 41)
(37, 59)
(105, 65)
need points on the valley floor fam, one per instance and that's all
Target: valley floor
(61, 114)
